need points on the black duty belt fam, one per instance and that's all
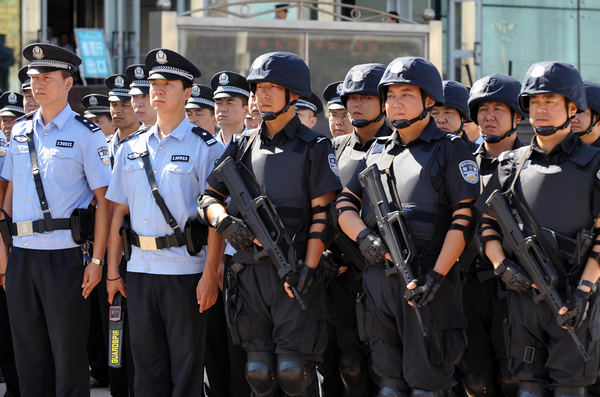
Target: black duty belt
(28, 228)
(155, 243)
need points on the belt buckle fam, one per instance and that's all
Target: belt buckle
(148, 243)
(25, 228)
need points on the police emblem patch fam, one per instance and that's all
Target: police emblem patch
(338, 89)
(397, 67)
(598, 174)
(469, 171)
(357, 76)
(161, 57)
(103, 155)
(3, 148)
(223, 79)
(12, 98)
(333, 164)
(37, 52)
(195, 91)
(138, 72)
(93, 101)
(538, 71)
(119, 82)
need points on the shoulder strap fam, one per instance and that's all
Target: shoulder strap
(91, 126)
(35, 171)
(522, 161)
(159, 199)
(343, 142)
(249, 143)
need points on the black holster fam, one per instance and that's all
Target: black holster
(125, 232)
(5, 229)
(196, 236)
(231, 302)
(82, 224)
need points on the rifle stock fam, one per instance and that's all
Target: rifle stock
(394, 232)
(260, 215)
(535, 262)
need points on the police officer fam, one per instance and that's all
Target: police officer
(253, 118)
(585, 124)
(139, 87)
(297, 168)
(452, 113)
(494, 107)
(97, 110)
(121, 110)
(11, 108)
(437, 207)
(308, 109)
(200, 108)
(557, 179)
(29, 103)
(231, 92)
(46, 284)
(339, 122)
(162, 277)
(360, 93)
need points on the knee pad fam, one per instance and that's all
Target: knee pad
(531, 389)
(294, 378)
(391, 387)
(260, 374)
(430, 393)
(569, 391)
(479, 386)
(352, 371)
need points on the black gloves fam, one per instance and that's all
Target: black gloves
(577, 304)
(425, 293)
(236, 232)
(329, 264)
(302, 278)
(513, 276)
(371, 246)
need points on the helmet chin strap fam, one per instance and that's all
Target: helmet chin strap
(362, 123)
(499, 138)
(591, 127)
(268, 116)
(404, 123)
(550, 130)
(460, 129)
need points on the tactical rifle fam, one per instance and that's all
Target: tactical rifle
(536, 263)
(393, 230)
(257, 210)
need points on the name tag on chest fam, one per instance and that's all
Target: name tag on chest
(60, 143)
(180, 157)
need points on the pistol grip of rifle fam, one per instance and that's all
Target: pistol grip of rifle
(298, 298)
(537, 297)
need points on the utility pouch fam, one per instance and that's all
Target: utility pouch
(5, 229)
(82, 224)
(125, 233)
(196, 236)
(231, 302)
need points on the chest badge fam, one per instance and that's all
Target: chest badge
(469, 171)
(180, 157)
(61, 143)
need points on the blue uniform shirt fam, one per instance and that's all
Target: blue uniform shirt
(73, 161)
(181, 163)
(3, 150)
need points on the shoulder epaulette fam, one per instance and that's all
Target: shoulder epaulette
(205, 135)
(91, 126)
(584, 154)
(27, 116)
(140, 131)
(451, 136)
(309, 135)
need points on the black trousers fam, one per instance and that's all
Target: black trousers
(49, 321)
(343, 291)
(398, 348)
(269, 321)
(7, 354)
(487, 315)
(167, 334)
(224, 362)
(541, 351)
